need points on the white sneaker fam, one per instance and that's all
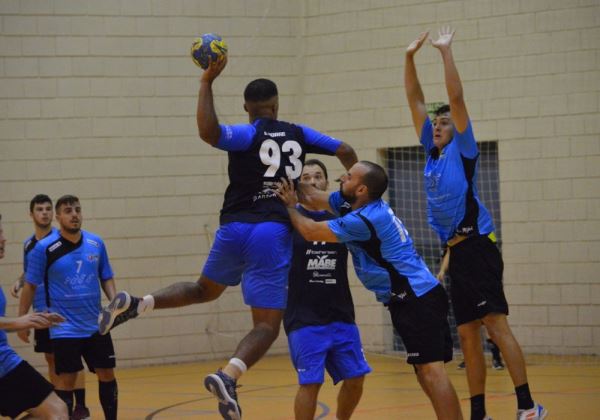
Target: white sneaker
(538, 412)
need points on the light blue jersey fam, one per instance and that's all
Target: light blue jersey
(72, 272)
(39, 299)
(8, 358)
(453, 204)
(383, 253)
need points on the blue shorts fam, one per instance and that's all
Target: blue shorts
(335, 347)
(256, 254)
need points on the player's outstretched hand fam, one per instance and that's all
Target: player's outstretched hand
(286, 192)
(307, 193)
(214, 68)
(445, 36)
(416, 44)
(53, 317)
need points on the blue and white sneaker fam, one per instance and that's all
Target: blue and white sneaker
(537, 412)
(223, 387)
(122, 308)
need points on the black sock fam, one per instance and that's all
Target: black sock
(79, 397)
(67, 397)
(478, 407)
(108, 398)
(524, 401)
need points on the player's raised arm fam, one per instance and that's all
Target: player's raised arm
(458, 109)
(313, 197)
(412, 86)
(206, 117)
(308, 228)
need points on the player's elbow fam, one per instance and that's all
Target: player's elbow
(208, 137)
(346, 154)
(456, 97)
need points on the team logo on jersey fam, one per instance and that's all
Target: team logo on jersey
(400, 296)
(55, 246)
(93, 257)
(432, 180)
(465, 230)
(93, 243)
(321, 262)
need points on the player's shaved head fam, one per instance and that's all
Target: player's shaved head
(375, 179)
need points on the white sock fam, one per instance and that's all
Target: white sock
(239, 363)
(145, 305)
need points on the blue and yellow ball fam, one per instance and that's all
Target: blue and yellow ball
(206, 48)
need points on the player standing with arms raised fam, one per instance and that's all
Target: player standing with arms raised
(465, 227)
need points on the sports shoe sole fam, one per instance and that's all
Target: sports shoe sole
(539, 415)
(228, 407)
(117, 306)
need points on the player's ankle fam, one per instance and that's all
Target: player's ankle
(235, 368)
(145, 305)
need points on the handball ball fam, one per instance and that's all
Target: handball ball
(208, 46)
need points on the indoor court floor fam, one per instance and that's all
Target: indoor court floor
(570, 389)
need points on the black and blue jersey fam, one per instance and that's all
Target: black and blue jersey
(39, 299)
(260, 154)
(318, 290)
(8, 358)
(453, 205)
(385, 259)
(72, 273)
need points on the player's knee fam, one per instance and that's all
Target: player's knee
(206, 290)
(430, 373)
(497, 327)
(354, 384)
(269, 330)
(54, 408)
(311, 389)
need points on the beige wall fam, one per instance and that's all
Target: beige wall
(97, 98)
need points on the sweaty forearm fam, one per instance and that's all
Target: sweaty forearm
(452, 78)
(414, 92)
(206, 117)
(7, 324)
(26, 298)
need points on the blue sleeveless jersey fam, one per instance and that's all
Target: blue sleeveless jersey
(72, 273)
(260, 154)
(8, 358)
(453, 204)
(385, 259)
(39, 299)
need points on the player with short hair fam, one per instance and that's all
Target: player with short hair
(73, 265)
(41, 213)
(387, 263)
(22, 388)
(259, 153)
(465, 227)
(319, 318)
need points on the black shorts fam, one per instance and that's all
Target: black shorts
(476, 288)
(21, 389)
(42, 342)
(97, 351)
(422, 323)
